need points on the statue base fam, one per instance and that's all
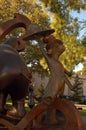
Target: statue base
(60, 115)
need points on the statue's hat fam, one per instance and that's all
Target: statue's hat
(35, 31)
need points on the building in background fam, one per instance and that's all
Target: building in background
(39, 80)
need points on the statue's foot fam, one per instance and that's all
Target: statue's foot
(13, 113)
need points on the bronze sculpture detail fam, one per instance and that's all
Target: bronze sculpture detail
(15, 79)
(54, 49)
(14, 75)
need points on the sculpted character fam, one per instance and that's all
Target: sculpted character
(55, 87)
(54, 48)
(14, 76)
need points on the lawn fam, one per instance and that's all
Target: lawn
(82, 112)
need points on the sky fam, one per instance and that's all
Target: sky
(82, 17)
(78, 67)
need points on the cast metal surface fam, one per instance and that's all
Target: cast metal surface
(72, 117)
(14, 75)
(15, 78)
(19, 20)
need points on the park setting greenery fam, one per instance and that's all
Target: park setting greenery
(82, 112)
(54, 14)
(50, 14)
(30, 110)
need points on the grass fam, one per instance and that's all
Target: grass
(26, 105)
(82, 112)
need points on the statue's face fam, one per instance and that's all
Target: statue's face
(54, 46)
(57, 49)
(60, 47)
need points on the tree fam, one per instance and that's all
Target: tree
(78, 89)
(83, 42)
(67, 29)
(35, 13)
(54, 14)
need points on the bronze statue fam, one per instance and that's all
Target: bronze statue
(19, 20)
(15, 78)
(14, 75)
(55, 87)
(51, 48)
(54, 48)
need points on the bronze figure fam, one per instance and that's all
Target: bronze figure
(14, 75)
(54, 48)
(15, 79)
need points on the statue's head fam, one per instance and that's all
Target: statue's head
(17, 44)
(53, 45)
